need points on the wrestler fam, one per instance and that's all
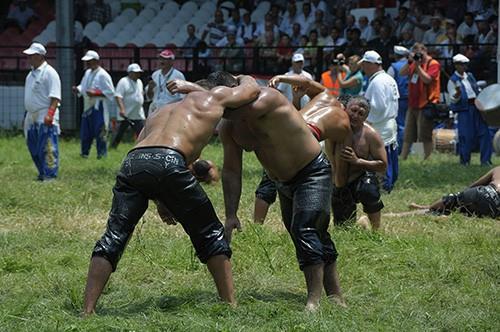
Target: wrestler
(480, 199)
(366, 157)
(156, 169)
(327, 120)
(272, 128)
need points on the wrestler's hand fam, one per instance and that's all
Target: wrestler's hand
(231, 224)
(298, 91)
(274, 81)
(347, 154)
(181, 86)
(165, 214)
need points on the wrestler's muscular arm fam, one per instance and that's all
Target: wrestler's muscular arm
(311, 87)
(231, 177)
(247, 91)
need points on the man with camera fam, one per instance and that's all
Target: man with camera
(423, 90)
(329, 78)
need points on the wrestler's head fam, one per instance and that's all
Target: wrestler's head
(206, 84)
(358, 109)
(201, 171)
(223, 78)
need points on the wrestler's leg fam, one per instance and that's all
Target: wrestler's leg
(261, 208)
(99, 271)
(220, 268)
(314, 280)
(331, 283)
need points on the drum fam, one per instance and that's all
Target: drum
(488, 104)
(445, 140)
(496, 143)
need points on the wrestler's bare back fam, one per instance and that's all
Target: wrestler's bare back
(272, 128)
(327, 113)
(186, 126)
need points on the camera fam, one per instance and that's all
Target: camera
(338, 62)
(418, 56)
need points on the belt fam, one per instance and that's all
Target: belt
(471, 101)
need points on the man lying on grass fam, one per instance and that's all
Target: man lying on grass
(481, 198)
(156, 169)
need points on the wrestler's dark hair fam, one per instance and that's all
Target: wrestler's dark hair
(206, 84)
(344, 99)
(201, 168)
(360, 101)
(223, 78)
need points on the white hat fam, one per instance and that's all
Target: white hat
(35, 48)
(134, 68)
(460, 58)
(298, 57)
(372, 57)
(90, 55)
(479, 18)
(401, 50)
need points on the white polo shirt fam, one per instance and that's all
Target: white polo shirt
(42, 84)
(161, 95)
(132, 94)
(97, 79)
(383, 95)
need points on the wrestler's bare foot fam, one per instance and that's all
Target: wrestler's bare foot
(338, 300)
(363, 222)
(312, 307)
(87, 314)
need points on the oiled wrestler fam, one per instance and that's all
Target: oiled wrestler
(157, 169)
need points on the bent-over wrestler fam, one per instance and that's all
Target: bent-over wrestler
(156, 169)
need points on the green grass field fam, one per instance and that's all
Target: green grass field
(419, 273)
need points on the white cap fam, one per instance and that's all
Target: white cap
(479, 18)
(401, 50)
(90, 55)
(134, 68)
(35, 48)
(372, 57)
(298, 57)
(460, 58)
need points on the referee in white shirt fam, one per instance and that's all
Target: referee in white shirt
(157, 86)
(382, 92)
(42, 95)
(129, 97)
(98, 94)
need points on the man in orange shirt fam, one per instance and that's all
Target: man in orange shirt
(329, 78)
(424, 79)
